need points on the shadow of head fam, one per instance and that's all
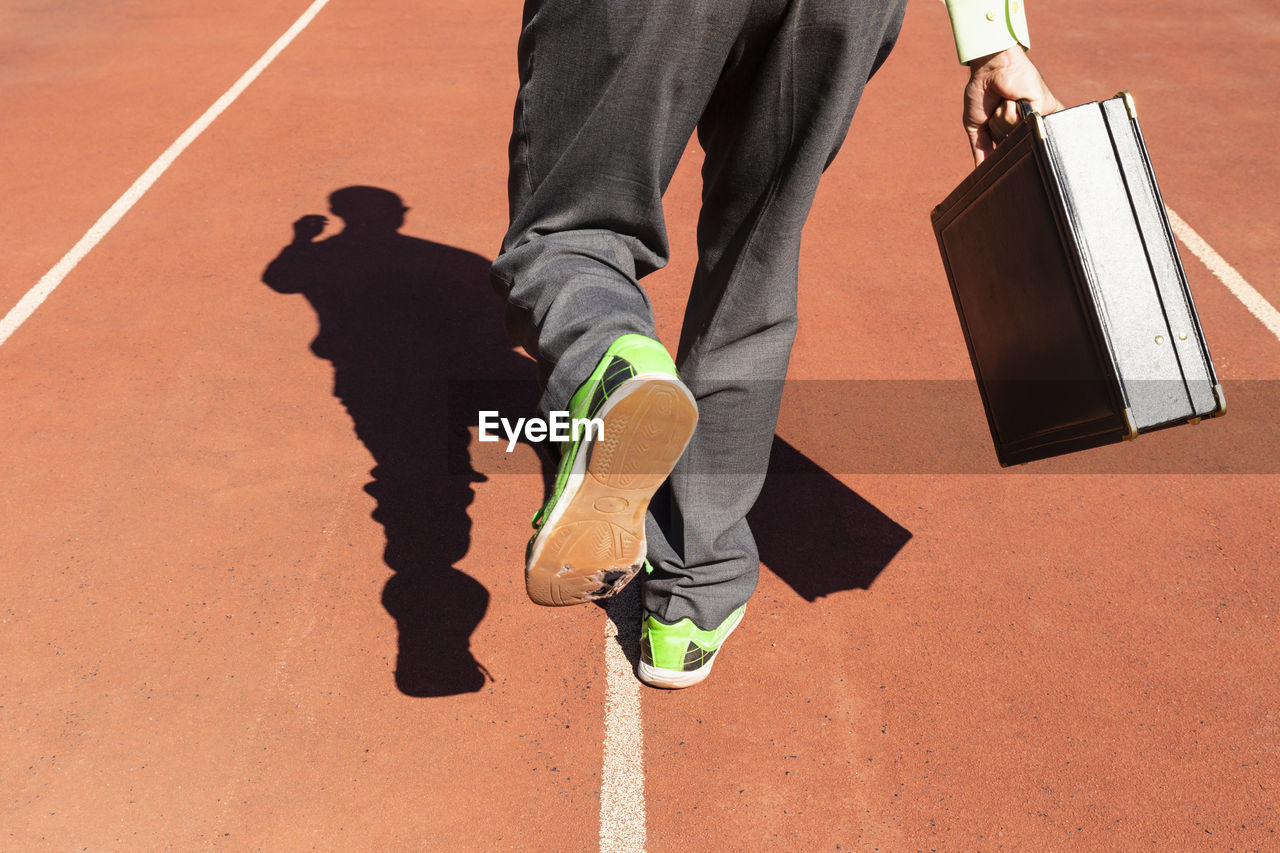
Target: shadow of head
(368, 209)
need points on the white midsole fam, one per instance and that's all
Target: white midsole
(658, 677)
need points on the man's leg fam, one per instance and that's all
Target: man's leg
(610, 94)
(773, 125)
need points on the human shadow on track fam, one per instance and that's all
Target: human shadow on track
(814, 532)
(407, 322)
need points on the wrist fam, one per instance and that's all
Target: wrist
(1010, 57)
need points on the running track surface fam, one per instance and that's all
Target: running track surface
(220, 631)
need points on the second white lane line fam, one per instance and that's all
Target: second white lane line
(1253, 300)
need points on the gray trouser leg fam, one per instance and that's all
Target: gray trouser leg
(610, 93)
(608, 100)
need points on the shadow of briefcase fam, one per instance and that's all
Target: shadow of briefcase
(1073, 301)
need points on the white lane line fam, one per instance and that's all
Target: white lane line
(1253, 300)
(50, 281)
(622, 815)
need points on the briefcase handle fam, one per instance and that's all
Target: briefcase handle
(1000, 129)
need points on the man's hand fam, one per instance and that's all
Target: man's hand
(996, 82)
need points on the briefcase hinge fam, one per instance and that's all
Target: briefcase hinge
(1129, 106)
(1133, 427)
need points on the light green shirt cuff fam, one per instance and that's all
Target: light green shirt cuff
(987, 26)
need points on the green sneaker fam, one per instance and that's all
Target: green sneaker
(590, 534)
(682, 654)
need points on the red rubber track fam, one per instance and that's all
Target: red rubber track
(197, 651)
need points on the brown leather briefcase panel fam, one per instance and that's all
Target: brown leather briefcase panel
(1070, 292)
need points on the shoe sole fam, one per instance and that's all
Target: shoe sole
(593, 542)
(671, 679)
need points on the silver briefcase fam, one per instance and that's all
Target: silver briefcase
(1073, 301)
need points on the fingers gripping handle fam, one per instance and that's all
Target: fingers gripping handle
(1000, 126)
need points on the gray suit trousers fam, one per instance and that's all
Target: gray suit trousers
(610, 93)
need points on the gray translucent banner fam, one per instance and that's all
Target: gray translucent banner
(847, 427)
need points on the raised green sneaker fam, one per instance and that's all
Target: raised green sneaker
(590, 534)
(682, 654)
